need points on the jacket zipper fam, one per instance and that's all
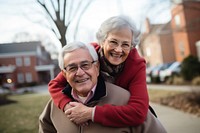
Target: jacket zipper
(80, 129)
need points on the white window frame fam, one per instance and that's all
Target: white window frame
(27, 61)
(20, 78)
(177, 20)
(29, 78)
(18, 61)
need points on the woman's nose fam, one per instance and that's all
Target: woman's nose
(118, 48)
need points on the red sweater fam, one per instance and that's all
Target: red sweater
(132, 78)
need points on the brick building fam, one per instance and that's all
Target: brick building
(185, 25)
(24, 63)
(173, 41)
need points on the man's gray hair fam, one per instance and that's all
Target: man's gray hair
(73, 46)
(115, 23)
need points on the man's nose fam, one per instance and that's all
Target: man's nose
(80, 72)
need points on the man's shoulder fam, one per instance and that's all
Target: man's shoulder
(113, 89)
(115, 95)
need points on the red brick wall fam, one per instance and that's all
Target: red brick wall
(188, 33)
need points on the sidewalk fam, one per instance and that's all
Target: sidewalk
(176, 121)
(173, 120)
(41, 89)
(186, 88)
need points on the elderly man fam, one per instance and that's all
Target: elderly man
(80, 67)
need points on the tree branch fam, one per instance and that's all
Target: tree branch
(64, 10)
(79, 18)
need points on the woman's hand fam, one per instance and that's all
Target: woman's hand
(67, 106)
(79, 113)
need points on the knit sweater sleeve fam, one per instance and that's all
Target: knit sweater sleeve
(55, 88)
(135, 112)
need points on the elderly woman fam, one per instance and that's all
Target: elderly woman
(120, 64)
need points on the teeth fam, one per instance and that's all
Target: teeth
(80, 81)
(116, 55)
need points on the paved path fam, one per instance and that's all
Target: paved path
(41, 89)
(176, 121)
(174, 87)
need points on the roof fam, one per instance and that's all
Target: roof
(7, 69)
(19, 47)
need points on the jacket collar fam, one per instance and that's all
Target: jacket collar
(99, 92)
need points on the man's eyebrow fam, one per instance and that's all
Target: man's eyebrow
(72, 64)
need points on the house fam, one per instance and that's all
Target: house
(157, 45)
(185, 25)
(24, 64)
(175, 40)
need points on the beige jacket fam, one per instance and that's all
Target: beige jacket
(54, 120)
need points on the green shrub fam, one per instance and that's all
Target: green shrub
(190, 68)
(176, 80)
(196, 81)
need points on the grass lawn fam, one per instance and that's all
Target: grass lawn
(184, 101)
(155, 94)
(22, 115)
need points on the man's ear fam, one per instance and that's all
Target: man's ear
(98, 66)
(63, 73)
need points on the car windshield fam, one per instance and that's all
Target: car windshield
(174, 65)
(165, 66)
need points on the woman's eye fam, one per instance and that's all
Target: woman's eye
(126, 45)
(113, 42)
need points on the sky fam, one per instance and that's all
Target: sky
(25, 17)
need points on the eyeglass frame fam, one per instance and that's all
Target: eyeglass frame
(80, 65)
(114, 44)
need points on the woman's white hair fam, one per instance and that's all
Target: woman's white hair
(73, 46)
(115, 23)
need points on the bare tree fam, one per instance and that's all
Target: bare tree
(61, 13)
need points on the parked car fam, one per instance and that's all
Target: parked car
(4, 90)
(148, 73)
(174, 69)
(156, 72)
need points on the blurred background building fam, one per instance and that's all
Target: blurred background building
(175, 40)
(24, 64)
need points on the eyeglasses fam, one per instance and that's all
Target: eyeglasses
(114, 44)
(85, 65)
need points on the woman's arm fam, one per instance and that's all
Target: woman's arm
(134, 113)
(55, 88)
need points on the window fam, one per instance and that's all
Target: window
(148, 52)
(181, 49)
(20, 78)
(28, 77)
(177, 20)
(27, 61)
(18, 61)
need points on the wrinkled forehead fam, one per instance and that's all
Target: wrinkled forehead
(77, 56)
